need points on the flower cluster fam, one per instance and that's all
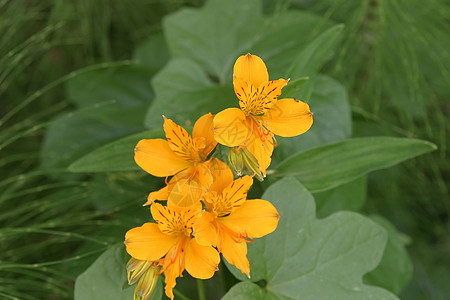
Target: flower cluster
(207, 212)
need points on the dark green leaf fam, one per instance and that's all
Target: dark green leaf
(115, 156)
(395, 269)
(113, 104)
(184, 93)
(308, 62)
(350, 197)
(332, 165)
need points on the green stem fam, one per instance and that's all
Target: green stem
(180, 295)
(201, 290)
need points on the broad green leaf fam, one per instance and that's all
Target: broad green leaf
(205, 43)
(311, 58)
(152, 53)
(106, 278)
(307, 258)
(350, 197)
(115, 156)
(395, 269)
(245, 291)
(215, 35)
(184, 93)
(128, 86)
(328, 166)
(332, 120)
(113, 104)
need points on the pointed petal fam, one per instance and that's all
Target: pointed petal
(235, 253)
(173, 268)
(148, 242)
(262, 150)
(250, 68)
(204, 128)
(162, 194)
(222, 175)
(253, 219)
(230, 127)
(181, 142)
(201, 261)
(205, 230)
(288, 117)
(156, 158)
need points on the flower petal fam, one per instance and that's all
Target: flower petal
(253, 219)
(222, 175)
(162, 194)
(257, 100)
(201, 261)
(205, 230)
(262, 150)
(173, 268)
(288, 117)
(250, 68)
(148, 242)
(230, 127)
(231, 198)
(235, 252)
(156, 158)
(185, 193)
(181, 142)
(203, 128)
(177, 222)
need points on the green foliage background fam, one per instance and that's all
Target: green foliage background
(75, 76)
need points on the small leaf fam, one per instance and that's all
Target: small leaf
(115, 156)
(107, 276)
(328, 166)
(395, 269)
(293, 85)
(306, 258)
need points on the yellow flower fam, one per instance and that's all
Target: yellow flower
(230, 221)
(182, 156)
(169, 244)
(261, 114)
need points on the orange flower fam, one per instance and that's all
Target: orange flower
(169, 244)
(230, 221)
(261, 114)
(183, 156)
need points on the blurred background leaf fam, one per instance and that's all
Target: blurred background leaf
(391, 61)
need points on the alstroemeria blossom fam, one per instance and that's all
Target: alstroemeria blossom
(168, 244)
(261, 114)
(230, 221)
(182, 156)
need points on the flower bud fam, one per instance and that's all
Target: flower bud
(241, 162)
(146, 274)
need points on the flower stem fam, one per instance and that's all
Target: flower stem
(201, 290)
(180, 295)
